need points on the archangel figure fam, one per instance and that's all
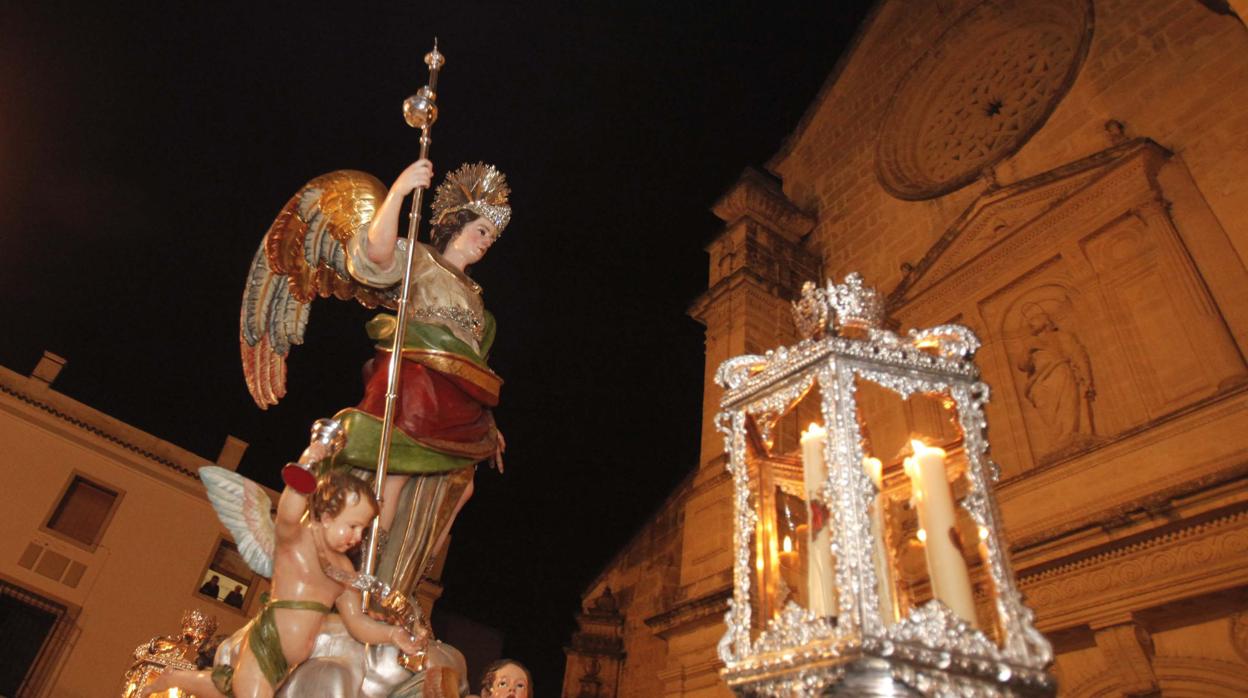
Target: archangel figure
(339, 236)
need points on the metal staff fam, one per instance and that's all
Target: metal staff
(420, 111)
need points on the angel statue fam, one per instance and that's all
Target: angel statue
(305, 552)
(339, 236)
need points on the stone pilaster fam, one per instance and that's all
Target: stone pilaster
(758, 264)
(596, 653)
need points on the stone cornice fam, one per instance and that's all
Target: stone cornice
(1200, 558)
(697, 310)
(690, 612)
(757, 196)
(590, 645)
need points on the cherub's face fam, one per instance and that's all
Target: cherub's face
(509, 681)
(474, 239)
(344, 531)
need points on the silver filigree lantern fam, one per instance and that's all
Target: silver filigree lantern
(869, 557)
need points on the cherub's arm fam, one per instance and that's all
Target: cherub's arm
(384, 230)
(293, 503)
(374, 632)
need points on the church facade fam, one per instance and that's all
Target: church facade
(1068, 178)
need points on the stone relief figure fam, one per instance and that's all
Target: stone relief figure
(1059, 382)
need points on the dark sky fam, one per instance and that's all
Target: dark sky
(144, 150)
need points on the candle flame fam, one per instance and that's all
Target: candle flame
(983, 533)
(922, 536)
(788, 544)
(875, 469)
(921, 449)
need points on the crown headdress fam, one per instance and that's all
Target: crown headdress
(479, 188)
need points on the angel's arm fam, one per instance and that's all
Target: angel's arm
(374, 632)
(383, 232)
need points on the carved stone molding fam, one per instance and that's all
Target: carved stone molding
(709, 607)
(1008, 223)
(1096, 590)
(758, 196)
(978, 95)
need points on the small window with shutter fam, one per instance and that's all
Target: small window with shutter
(83, 512)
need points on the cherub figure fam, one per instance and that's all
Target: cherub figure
(311, 574)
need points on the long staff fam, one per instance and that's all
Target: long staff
(420, 110)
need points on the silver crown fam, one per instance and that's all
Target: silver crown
(850, 304)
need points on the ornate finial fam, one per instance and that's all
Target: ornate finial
(810, 312)
(198, 625)
(434, 59)
(849, 305)
(421, 109)
(856, 305)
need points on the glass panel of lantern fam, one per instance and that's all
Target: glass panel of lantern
(791, 557)
(925, 544)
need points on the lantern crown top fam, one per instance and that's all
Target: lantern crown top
(847, 305)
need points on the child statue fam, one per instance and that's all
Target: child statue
(311, 574)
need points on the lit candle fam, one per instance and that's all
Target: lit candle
(820, 569)
(884, 586)
(951, 582)
(788, 556)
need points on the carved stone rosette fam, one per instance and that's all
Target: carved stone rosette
(878, 626)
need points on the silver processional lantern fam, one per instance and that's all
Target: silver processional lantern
(869, 557)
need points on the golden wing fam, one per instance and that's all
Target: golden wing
(302, 256)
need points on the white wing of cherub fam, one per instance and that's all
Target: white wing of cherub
(245, 509)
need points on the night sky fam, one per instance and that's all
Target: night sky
(145, 150)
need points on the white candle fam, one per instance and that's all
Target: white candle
(820, 569)
(951, 582)
(884, 584)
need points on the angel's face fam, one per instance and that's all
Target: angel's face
(344, 531)
(474, 240)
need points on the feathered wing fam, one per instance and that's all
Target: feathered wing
(302, 256)
(244, 508)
